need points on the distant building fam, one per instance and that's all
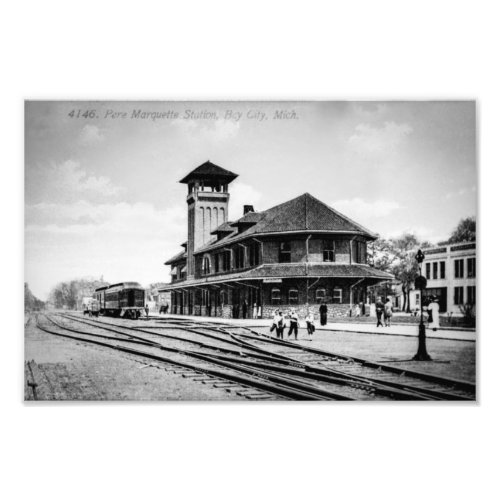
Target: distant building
(297, 254)
(451, 276)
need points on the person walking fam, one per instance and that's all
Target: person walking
(433, 310)
(280, 327)
(387, 312)
(379, 310)
(310, 324)
(274, 324)
(323, 312)
(294, 324)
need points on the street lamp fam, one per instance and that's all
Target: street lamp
(421, 283)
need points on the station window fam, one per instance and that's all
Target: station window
(442, 270)
(223, 298)
(206, 265)
(471, 295)
(337, 295)
(428, 270)
(216, 263)
(285, 254)
(417, 299)
(275, 296)
(458, 295)
(239, 257)
(320, 294)
(471, 268)
(226, 260)
(459, 268)
(435, 270)
(293, 296)
(254, 254)
(328, 251)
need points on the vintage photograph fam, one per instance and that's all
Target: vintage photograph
(252, 251)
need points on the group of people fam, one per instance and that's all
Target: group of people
(279, 323)
(383, 310)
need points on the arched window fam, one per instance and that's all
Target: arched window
(320, 294)
(206, 265)
(275, 296)
(293, 296)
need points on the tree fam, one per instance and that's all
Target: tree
(31, 303)
(70, 294)
(397, 256)
(465, 231)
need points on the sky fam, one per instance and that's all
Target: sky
(102, 196)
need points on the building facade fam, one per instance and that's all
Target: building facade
(451, 276)
(297, 254)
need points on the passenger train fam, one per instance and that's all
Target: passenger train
(126, 300)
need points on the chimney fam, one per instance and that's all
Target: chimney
(247, 209)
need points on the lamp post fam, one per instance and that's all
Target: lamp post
(421, 283)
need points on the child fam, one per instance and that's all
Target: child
(310, 324)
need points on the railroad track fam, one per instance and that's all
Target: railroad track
(321, 373)
(252, 383)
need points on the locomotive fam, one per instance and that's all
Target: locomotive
(126, 299)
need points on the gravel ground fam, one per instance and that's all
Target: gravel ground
(69, 370)
(450, 358)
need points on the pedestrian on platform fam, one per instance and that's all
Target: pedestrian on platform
(294, 324)
(323, 311)
(357, 311)
(433, 310)
(280, 327)
(146, 308)
(387, 312)
(379, 310)
(274, 324)
(310, 324)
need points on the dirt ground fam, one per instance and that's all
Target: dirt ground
(450, 358)
(68, 370)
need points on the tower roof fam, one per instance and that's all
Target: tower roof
(208, 171)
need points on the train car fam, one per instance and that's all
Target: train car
(126, 299)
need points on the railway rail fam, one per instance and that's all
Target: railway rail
(271, 367)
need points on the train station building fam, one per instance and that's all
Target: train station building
(297, 254)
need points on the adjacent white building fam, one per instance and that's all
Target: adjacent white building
(451, 276)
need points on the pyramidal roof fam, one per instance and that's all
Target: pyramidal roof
(209, 171)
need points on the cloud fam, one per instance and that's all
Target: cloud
(91, 134)
(357, 208)
(460, 192)
(67, 181)
(369, 140)
(123, 241)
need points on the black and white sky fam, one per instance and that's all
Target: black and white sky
(102, 196)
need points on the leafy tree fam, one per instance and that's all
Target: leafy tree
(70, 294)
(31, 303)
(397, 256)
(465, 231)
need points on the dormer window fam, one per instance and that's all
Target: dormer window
(285, 253)
(206, 265)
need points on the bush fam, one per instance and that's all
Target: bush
(469, 313)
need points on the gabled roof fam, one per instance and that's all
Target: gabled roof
(302, 214)
(225, 227)
(176, 258)
(210, 171)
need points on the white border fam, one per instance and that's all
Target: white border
(259, 50)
